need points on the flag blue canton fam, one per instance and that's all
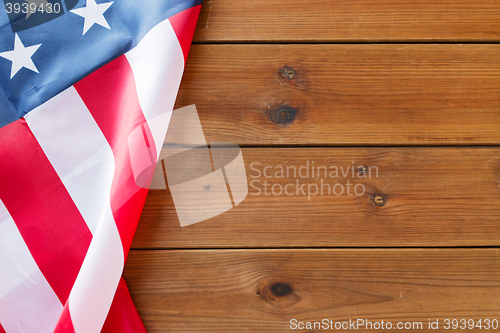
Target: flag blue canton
(59, 52)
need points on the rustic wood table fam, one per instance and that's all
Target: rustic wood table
(404, 93)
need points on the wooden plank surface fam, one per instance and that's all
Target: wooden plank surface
(411, 197)
(397, 94)
(348, 21)
(262, 290)
(284, 78)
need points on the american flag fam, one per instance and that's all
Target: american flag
(78, 81)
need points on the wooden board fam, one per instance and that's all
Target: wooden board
(397, 94)
(300, 81)
(420, 197)
(262, 290)
(348, 21)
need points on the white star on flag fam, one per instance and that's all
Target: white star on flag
(20, 56)
(93, 13)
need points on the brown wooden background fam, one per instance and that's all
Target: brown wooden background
(412, 87)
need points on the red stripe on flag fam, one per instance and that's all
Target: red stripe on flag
(46, 216)
(64, 324)
(111, 97)
(2, 329)
(184, 24)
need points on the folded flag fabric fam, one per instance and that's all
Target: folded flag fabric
(86, 91)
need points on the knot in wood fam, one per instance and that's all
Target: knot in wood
(288, 72)
(281, 289)
(379, 200)
(277, 293)
(282, 115)
(362, 169)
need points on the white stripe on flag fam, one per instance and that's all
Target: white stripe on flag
(77, 149)
(96, 284)
(158, 63)
(27, 302)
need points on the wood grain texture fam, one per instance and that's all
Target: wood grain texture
(420, 197)
(348, 21)
(262, 290)
(283, 78)
(374, 94)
